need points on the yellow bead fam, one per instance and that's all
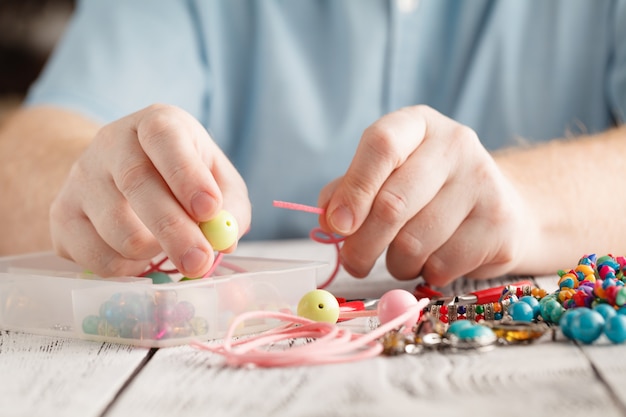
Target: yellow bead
(590, 278)
(585, 269)
(221, 231)
(320, 306)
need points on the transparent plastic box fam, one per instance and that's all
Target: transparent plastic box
(44, 294)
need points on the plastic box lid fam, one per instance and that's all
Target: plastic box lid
(44, 294)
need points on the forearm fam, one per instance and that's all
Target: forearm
(37, 148)
(575, 196)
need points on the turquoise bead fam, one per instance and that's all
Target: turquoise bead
(474, 332)
(459, 325)
(566, 321)
(531, 301)
(587, 326)
(521, 311)
(615, 328)
(550, 309)
(606, 310)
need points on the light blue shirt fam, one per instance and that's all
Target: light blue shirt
(287, 87)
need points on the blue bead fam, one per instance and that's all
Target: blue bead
(615, 328)
(521, 311)
(587, 326)
(459, 325)
(474, 332)
(566, 322)
(531, 301)
(606, 310)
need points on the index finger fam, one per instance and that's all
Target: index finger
(174, 142)
(384, 147)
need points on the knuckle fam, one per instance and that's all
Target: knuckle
(464, 133)
(359, 186)
(382, 141)
(435, 271)
(407, 243)
(390, 207)
(132, 177)
(462, 140)
(168, 226)
(135, 244)
(159, 123)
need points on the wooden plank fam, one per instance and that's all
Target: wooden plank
(48, 376)
(541, 379)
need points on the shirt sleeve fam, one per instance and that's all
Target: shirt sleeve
(617, 66)
(118, 56)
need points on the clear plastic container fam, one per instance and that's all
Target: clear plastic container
(44, 294)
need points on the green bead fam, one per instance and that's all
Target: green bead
(550, 309)
(221, 231)
(159, 277)
(90, 324)
(620, 297)
(320, 306)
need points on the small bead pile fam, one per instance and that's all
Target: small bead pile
(132, 315)
(593, 281)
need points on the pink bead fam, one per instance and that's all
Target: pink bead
(394, 303)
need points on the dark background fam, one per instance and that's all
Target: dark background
(29, 30)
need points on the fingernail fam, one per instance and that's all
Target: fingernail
(202, 205)
(194, 259)
(342, 220)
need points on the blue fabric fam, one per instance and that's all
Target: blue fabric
(287, 87)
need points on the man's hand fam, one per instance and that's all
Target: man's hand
(140, 188)
(423, 186)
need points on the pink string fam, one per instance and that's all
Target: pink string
(331, 344)
(318, 235)
(298, 207)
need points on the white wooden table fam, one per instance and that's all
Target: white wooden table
(45, 376)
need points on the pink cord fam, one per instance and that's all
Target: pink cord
(317, 234)
(331, 344)
(298, 207)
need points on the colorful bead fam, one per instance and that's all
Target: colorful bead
(568, 281)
